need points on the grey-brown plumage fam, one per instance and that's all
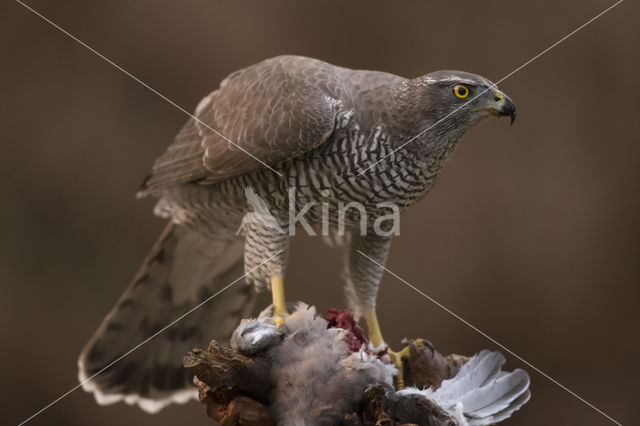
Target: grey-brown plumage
(333, 135)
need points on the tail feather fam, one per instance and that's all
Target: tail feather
(132, 356)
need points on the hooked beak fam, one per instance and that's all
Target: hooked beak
(504, 106)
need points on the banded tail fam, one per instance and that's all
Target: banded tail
(182, 270)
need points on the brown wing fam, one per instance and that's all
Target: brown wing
(269, 112)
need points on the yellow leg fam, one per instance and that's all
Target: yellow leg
(396, 359)
(375, 337)
(375, 334)
(277, 292)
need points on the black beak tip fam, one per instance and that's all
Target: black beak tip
(508, 109)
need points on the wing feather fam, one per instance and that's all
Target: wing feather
(275, 110)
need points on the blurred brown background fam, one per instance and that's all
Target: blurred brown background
(532, 234)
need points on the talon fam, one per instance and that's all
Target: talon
(422, 344)
(375, 336)
(396, 359)
(279, 320)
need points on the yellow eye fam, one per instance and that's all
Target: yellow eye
(461, 91)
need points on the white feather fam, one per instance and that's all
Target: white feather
(481, 393)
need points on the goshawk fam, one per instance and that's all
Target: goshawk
(335, 136)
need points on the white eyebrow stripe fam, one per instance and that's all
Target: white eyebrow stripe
(452, 79)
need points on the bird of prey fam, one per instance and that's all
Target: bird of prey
(336, 136)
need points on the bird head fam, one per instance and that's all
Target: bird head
(460, 100)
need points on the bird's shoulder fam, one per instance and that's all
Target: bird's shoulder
(268, 112)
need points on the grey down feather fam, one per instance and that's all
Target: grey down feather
(316, 378)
